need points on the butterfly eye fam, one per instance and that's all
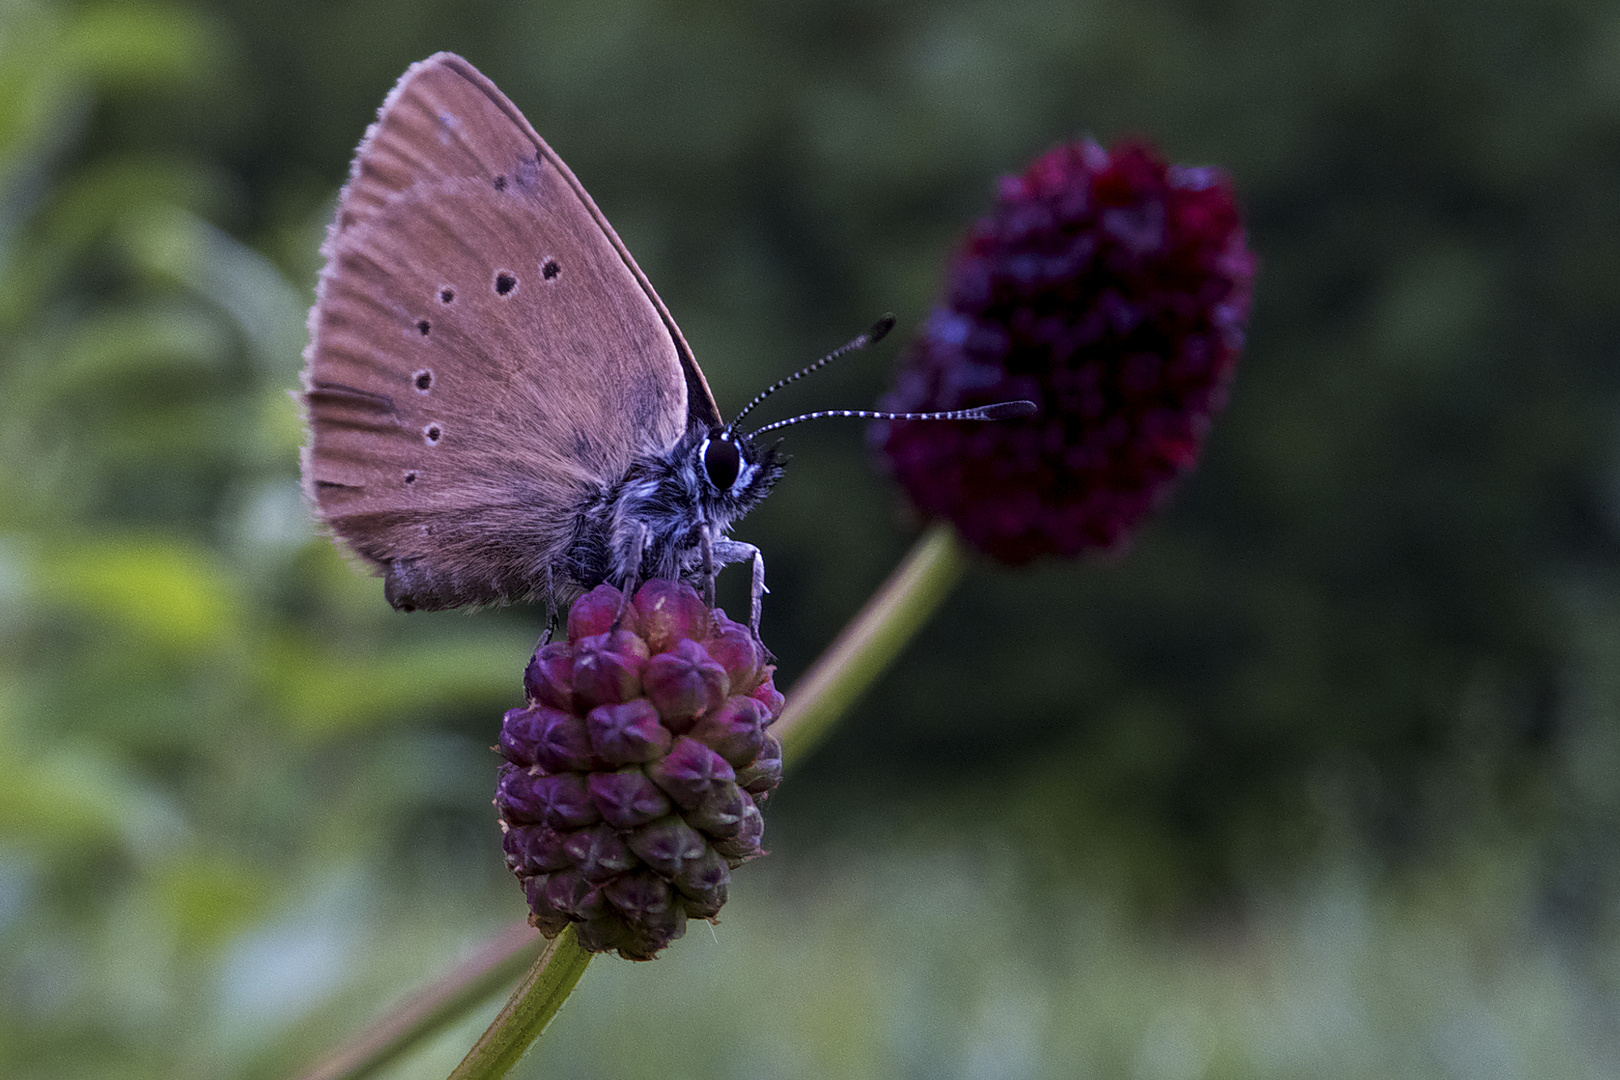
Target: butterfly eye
(722, 461)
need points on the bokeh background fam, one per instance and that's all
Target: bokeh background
(1320, 780)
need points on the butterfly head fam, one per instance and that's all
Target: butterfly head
(734, 474)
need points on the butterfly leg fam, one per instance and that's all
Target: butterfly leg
(730, 551)
(632, 571)
(710, 571)
(551, 609)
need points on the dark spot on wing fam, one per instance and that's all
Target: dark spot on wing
(423, 380)
(423, 326)
(410, 477)
(500, 182)
(434, 433)
(550, 269)
(505, 282)
(446, 295)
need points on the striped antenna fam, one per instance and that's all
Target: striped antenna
(1003, 410)
(879, 330)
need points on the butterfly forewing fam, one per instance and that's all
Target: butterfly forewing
(483, 348)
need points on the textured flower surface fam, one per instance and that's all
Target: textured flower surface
(635, 773)
(1112, 290)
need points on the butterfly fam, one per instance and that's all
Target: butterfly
(500, 407)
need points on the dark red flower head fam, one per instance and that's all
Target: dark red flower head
(1112, 290)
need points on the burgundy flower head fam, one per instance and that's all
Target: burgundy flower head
(635, 773)
(1112, 290)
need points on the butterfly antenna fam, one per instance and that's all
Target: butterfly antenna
(1002, 410)
(879, 330)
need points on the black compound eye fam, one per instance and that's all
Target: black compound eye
(722, 461)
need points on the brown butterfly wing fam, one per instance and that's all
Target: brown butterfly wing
(483, 352)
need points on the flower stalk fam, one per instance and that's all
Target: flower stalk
(528, 1011)
(459, 991)
(872, 641)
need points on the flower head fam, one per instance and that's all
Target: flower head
(1113, 291)
(635, 773)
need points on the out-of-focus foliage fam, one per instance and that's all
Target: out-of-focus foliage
(1345, 719)
(197, 698)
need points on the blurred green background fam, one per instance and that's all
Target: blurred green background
(1322, 780)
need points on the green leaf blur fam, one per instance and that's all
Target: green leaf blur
(1322, 779)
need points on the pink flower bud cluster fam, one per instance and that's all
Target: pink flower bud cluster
(635, 773)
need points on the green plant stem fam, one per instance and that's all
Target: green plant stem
(472, 981)
(871, 641)
(528, 1011)
(862, 652)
